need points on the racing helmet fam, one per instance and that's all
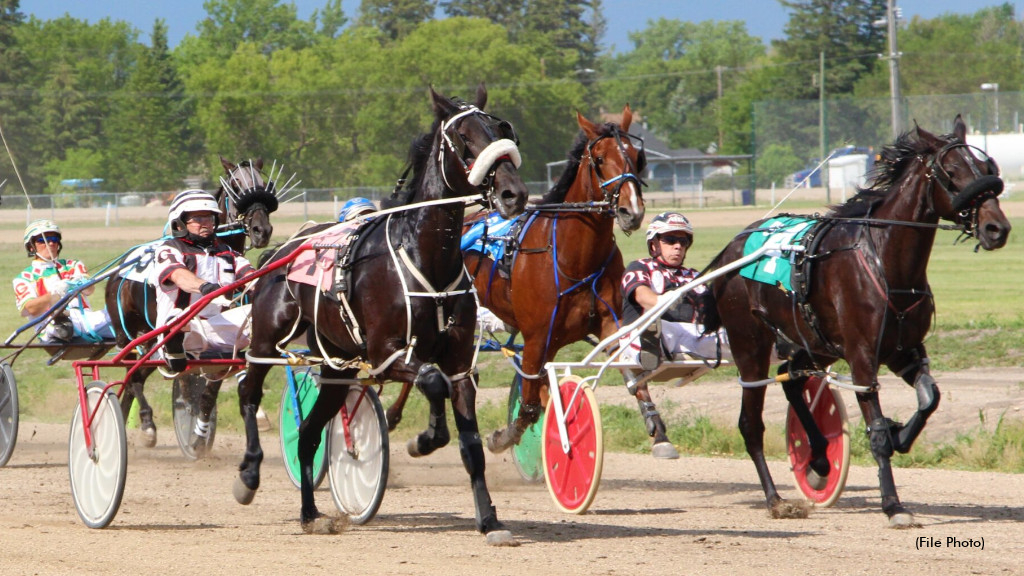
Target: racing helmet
(38, 228)
(355, 207)
(193, 200)
(665, 223)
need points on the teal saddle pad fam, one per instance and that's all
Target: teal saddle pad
(776, 266)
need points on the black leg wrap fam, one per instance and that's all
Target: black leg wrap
(927, 401)
(530, 413)
(432, 383)
(471, 450)
(651, 417)
(880, 435)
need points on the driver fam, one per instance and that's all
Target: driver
(47, 279)
(669, 236)
(190, 265)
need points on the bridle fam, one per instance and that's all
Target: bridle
(611, 188)
(967, 201)
(480, 170)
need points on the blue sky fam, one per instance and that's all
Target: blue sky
(764, 18)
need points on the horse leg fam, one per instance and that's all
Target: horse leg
(146, 425)
(207, 401)
(661, 447)
(250, 394)
(327, 405)
(529, 414)
(394, 412)
(917, 374)
(819, 467)
(435, 387)
(752, 428)
(880, 433)
(472, 451)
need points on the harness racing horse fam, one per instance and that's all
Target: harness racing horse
(860, 293)
(412, 310)
(246, 199)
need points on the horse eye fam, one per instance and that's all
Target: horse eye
(598, 160)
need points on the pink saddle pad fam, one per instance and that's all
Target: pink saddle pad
(313, 265)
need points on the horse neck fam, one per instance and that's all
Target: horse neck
(432, 235)
(592, 232)
(905, 250)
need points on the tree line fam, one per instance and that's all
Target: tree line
(339, 100)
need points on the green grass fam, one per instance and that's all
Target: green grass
(979, 323)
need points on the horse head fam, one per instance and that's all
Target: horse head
(617, 159)
(970, 182)
(479, 153)
(249, 199)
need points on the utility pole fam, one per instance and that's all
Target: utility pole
(892, 16)
(718, 107)
(822, 144)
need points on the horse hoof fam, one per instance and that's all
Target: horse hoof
(501, 538)
(413, 447)
(784, 509)
(494, 443)
(148, 437)
(903, 520)
(325, 525)
(243, 494)
(816, 481)
(664, 451)
(262, 421)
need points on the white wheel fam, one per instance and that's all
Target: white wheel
(98, 476)
(186, 392)
(358, 470)
(8, 413)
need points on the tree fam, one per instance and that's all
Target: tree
(395, 18)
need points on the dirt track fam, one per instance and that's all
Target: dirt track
(693, 515)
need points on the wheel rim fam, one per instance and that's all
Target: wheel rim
(97, 485)
(573, 478)
(359, 478)
(185, 397)
(830, 415)
(8, 413)
(306, 392)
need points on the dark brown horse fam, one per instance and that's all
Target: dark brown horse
(420, 334)
(860, 293)
(564, 280)
(246, 198)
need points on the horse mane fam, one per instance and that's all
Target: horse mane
(892, 165)
(557, 193)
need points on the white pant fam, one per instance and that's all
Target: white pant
(679, 338)
(488, 321)
(220, 333)
(89, 324)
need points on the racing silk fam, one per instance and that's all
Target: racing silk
(39, 277)
(218, 264)
(654, 274)
(493, 245)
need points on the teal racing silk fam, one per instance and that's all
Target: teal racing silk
(776, 266)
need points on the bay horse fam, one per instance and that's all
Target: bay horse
(564, 282)
(247, 199)
(423, 338)
(860, 293)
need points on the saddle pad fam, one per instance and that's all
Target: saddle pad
(493, 245)
(142, 271)
(307, 265)
(775, 266)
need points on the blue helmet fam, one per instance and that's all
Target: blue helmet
(355, 207)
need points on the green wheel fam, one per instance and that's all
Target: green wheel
(527, 454)
(297, 399)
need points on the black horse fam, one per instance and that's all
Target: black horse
(247, 199)
(860, 293)
(425, 338)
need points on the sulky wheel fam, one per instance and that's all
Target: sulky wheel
(829, 412)
(358, 450)
(526, 455)
(186, 393)
(297, 399)
(98, 474)
(8, 413)
(573, 477)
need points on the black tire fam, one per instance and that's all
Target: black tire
(98, 475)
(186, 393)
(8, 413)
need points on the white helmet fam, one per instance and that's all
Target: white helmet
(668, 222)
(193, 200)
(38, 228)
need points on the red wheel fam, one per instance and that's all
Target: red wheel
(572, 478)
(829, 412)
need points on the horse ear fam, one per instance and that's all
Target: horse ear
(588, 127)
(627, 118)
(959, 129)
(258, 164)
(442, 105)
(226, 164)
(481, 96)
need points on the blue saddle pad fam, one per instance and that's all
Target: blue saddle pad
(775, 267)
(493, 245)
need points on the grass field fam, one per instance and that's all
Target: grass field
(980, 322)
